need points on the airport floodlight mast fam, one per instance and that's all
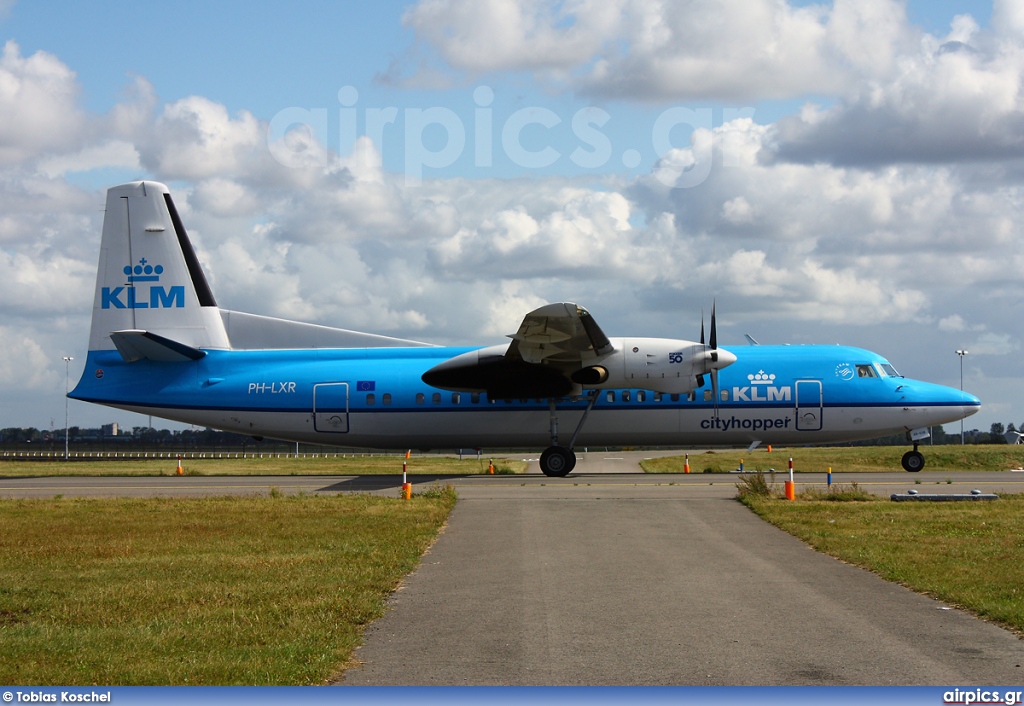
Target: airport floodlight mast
(67, 364)
(961, 353)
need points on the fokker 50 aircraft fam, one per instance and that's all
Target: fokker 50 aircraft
(160, 345)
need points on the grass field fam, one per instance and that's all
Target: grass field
(847, 459)
(968, 554)
(256, 590)
(272, 465)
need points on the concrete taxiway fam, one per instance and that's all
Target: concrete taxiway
(611, 577)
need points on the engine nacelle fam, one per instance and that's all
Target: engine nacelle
(661, 364)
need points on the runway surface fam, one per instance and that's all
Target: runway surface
(608, 577)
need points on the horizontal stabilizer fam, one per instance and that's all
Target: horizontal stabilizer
(135, 344)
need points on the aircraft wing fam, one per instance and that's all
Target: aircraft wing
(553, 342)
(558, 333)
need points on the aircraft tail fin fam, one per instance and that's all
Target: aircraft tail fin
(150, 286)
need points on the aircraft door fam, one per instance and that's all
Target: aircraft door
(330, 407)
(808, 405)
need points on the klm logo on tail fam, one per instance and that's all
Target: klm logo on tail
(159, 297)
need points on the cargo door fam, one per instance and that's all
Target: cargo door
(330, 407)
(808, 405)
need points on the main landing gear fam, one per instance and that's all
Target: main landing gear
(558, 461)
(913, 461)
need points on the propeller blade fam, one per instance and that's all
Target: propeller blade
(714, 388)
(714, 328)
(714, 356)
(702, 327)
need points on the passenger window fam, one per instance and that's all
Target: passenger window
(707, 396)
(420, 398)
(657, 397)
(436, 398)
(386, 399)
(725, 395)
(610, 396)
(625, 395)
(370, 400)
(475, 398)
(456, 398)
(692, 397)
(866, 371)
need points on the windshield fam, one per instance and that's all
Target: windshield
(890, 371)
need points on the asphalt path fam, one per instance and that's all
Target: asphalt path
(622, 578)
(611, 581)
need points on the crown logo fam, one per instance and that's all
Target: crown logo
(762, 378)
(143, 272)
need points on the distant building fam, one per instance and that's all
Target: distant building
(109, 429)
(1014, 437)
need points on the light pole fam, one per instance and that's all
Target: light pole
(961, 353)
(67, 369)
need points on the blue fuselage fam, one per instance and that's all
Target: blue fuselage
(375, 398)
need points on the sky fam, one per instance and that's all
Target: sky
(846, 172)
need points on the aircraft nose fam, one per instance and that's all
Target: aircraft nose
(972, 405)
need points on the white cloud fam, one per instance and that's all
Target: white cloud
(489, 35)
(114, 153)
(952, 323)
(949, 101)
(995, 344)
(24, 365)
(655, 50)
(38, 103)
(195, 138)
(1008, 18)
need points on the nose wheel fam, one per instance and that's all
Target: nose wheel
(913, 461)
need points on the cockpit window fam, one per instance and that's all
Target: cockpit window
(866, 371)
(890, 371)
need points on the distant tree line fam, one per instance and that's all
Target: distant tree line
(139, 438)
(995, 435)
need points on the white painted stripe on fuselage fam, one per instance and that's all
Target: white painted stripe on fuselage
(512, 427)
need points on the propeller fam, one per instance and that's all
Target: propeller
(713, 357)
(700, 378)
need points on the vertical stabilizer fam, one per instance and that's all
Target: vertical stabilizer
(149, 278)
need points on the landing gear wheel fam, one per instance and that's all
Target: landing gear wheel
(913, 461)
(557, 461)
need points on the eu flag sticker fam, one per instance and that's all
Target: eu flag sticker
(366, 385)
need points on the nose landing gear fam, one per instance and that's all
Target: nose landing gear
(913, 461)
